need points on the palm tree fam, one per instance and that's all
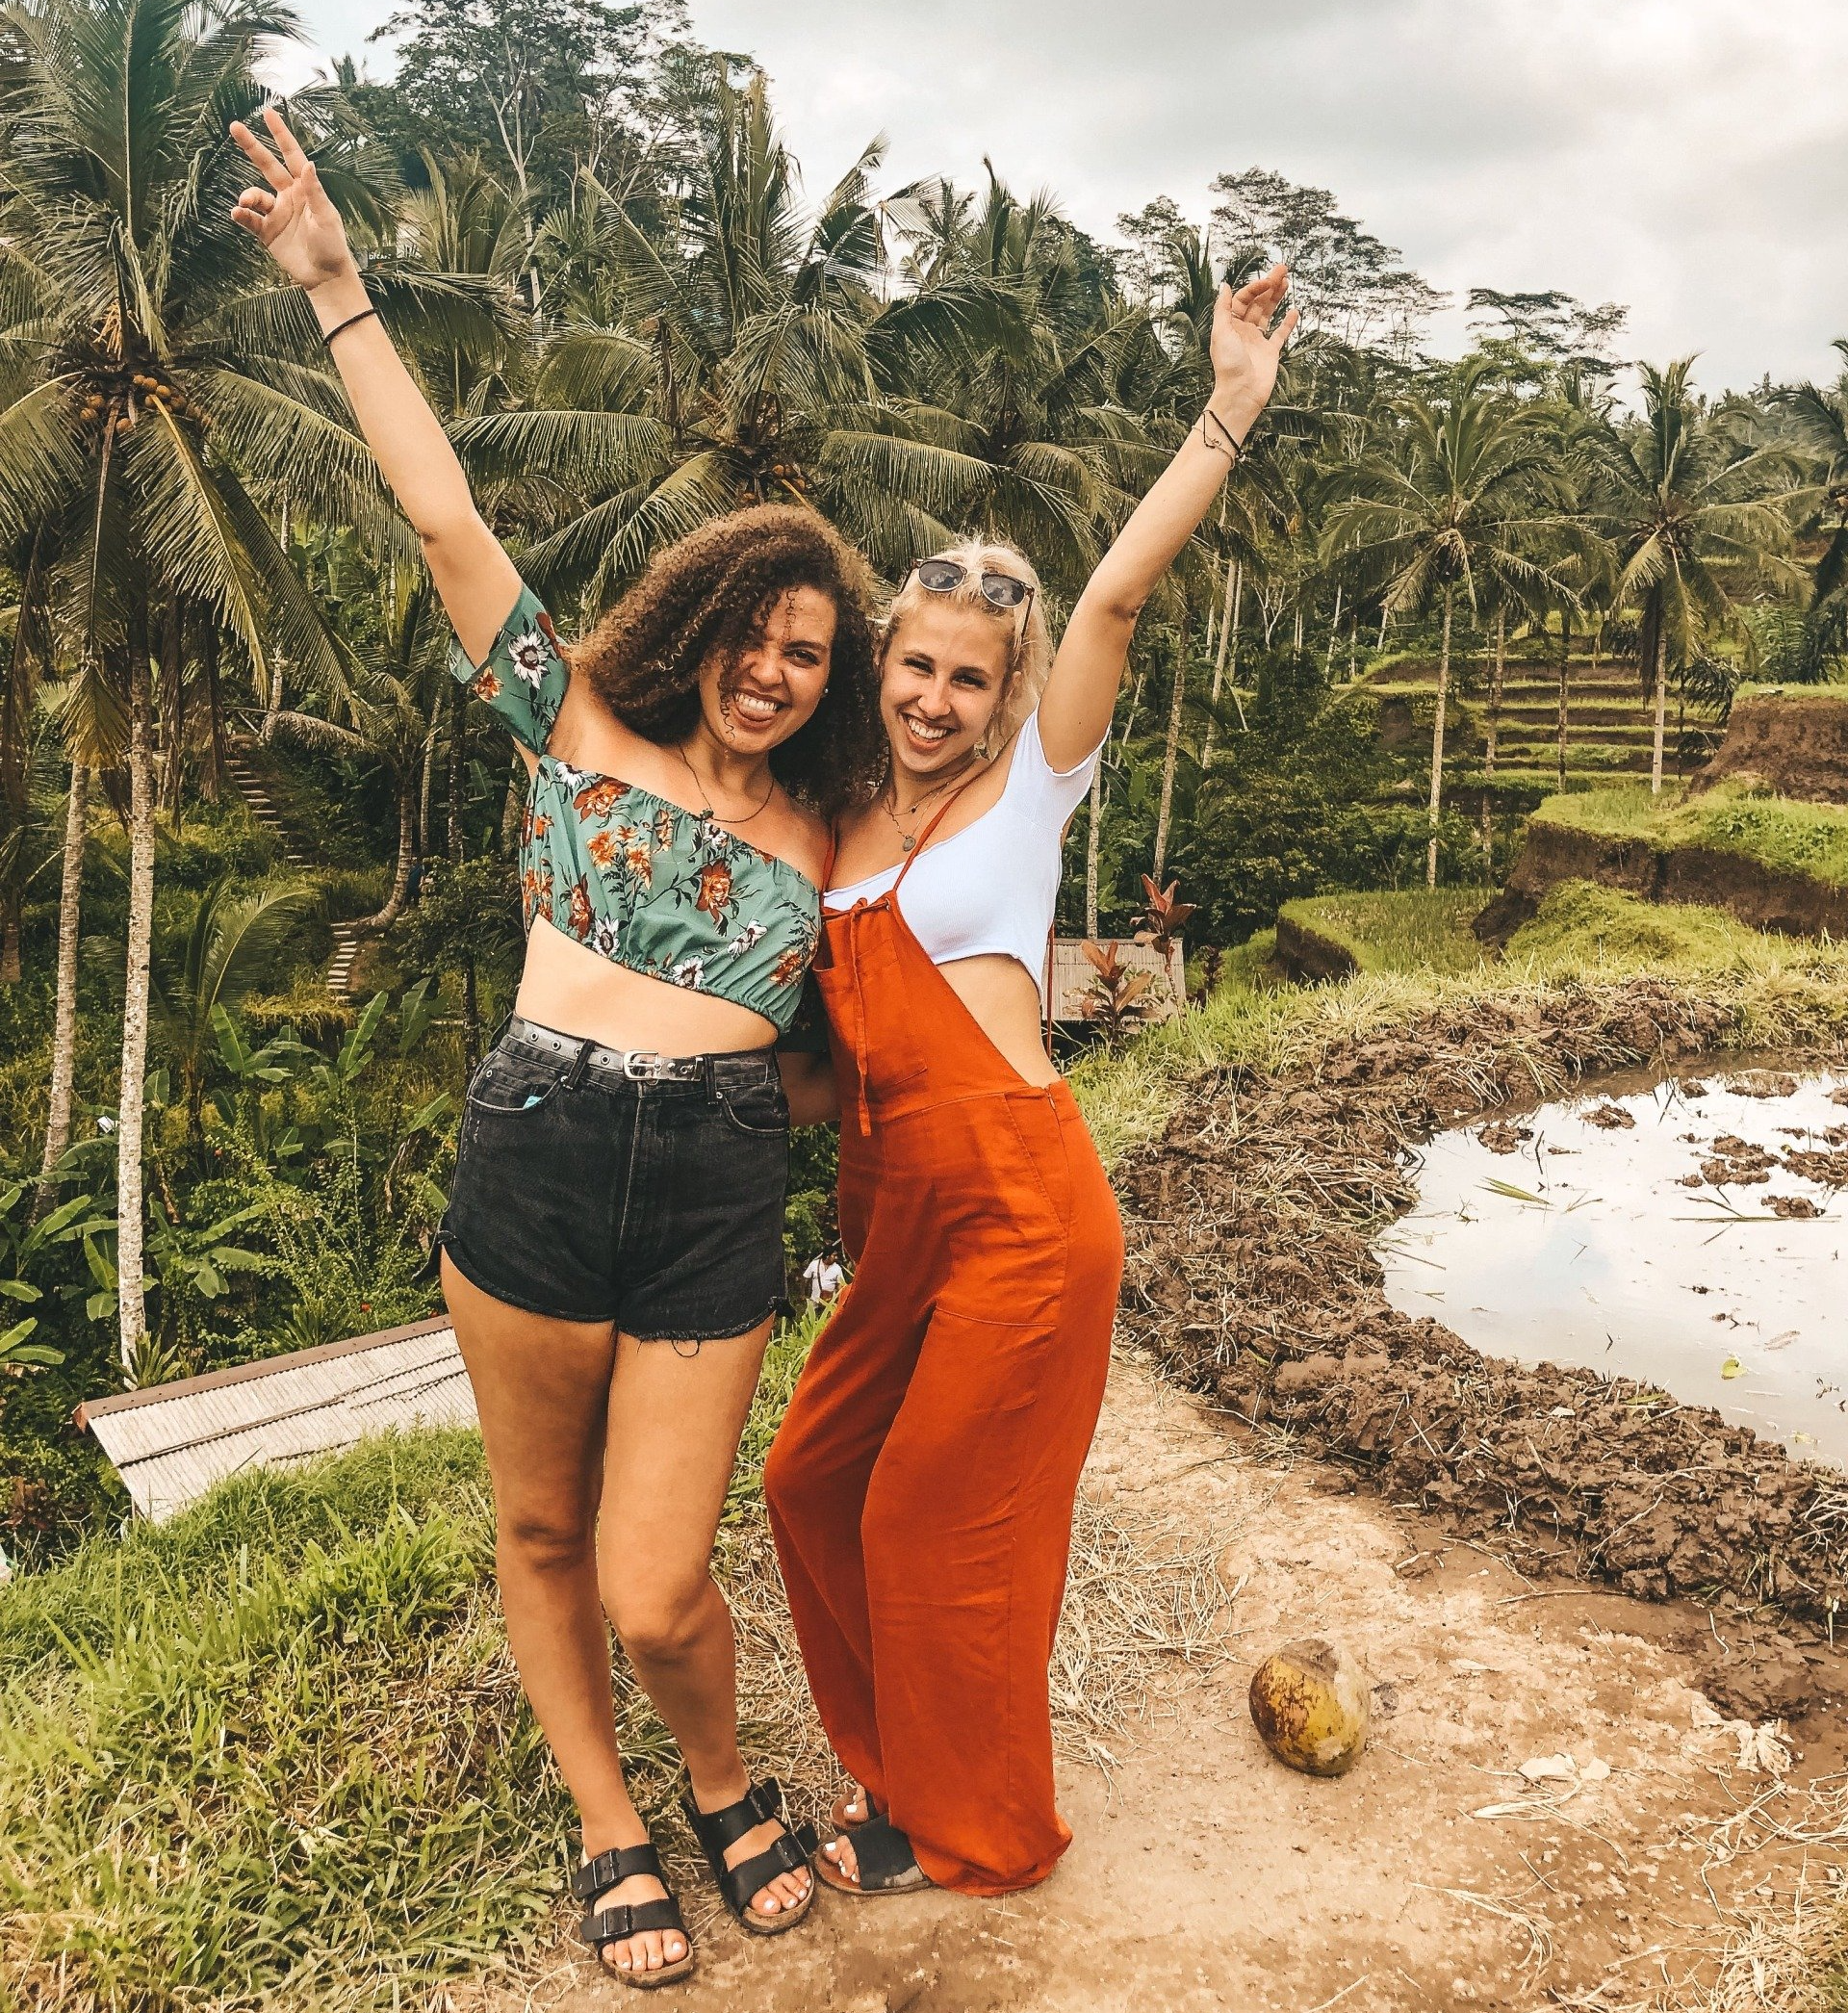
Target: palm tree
(398, 694)
(1692, 520)
(226, 950)
(1821, 415)
(1460, 506)
(741, 370)
(145, 358)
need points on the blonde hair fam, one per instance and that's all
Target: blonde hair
(1030, 640)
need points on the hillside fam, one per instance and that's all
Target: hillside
(1610, 726)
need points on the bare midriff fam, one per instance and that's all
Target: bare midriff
(578, 992)
(1004, 997)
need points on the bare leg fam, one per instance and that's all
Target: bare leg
(675, 1418)
(542, 1390)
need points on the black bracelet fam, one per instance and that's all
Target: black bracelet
(339, 327)
(1233, 447)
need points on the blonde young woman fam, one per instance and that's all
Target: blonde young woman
(612, 1252)
(921, 1486)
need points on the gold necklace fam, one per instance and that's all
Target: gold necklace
(908, 840)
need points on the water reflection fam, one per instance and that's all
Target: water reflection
(1684, 1233)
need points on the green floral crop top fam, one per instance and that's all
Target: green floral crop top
(641, 881)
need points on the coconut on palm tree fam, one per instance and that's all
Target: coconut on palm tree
(146, 363)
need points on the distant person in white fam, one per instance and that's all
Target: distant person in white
(823, 1275)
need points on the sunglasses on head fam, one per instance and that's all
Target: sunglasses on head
(1000, 590)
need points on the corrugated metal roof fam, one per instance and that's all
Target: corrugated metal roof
(172, 1442)
(1071, 974)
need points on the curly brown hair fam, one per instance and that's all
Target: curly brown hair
(709, 593)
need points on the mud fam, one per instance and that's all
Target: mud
(1253, 1280)
(1546, 1813)
(1797, 747)
(1767, 899)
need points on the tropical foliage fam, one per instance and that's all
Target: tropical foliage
(229, 746)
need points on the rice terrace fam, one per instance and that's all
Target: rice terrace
(1449, 963)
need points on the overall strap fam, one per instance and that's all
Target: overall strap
(924, 837)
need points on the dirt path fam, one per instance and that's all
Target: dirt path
(1206, 1875)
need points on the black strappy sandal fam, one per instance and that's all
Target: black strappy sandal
(608, 1925)
(884, 1859)
(715, 1829)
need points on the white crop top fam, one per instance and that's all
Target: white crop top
(991, 889)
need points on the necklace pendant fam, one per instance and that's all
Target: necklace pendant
(906, 844)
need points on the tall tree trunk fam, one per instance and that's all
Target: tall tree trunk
(272, 698)
(1092, 840)
(1565, 687)
(1498, 671)
(213, 778)
(1437, 742)
(130, 1227)
(426, 792)
(170, 711)
(1172, 748)
(1334, 632)
(64, 1020)
(1662, 707)
(458, 779)
(405, 784)
(1228, 655)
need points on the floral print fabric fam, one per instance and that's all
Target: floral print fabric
(639, 880)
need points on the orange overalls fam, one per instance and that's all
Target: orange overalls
(921, 1484)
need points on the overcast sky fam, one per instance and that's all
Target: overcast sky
(1688, 158)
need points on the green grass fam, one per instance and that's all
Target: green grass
(1794, 695)
(1767, 991)
(1582, 928)
(1413, 930)
(274, 1753)
(1779, 833)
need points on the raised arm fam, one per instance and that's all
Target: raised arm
(300, 229)
(1081, 694)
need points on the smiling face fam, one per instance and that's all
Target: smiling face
(944, 672)
(752, 704)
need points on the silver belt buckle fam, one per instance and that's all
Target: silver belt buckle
(644, 1066)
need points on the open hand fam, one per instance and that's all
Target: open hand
(291, 218)
(1246, 350)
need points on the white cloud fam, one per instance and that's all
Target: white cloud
(1687, 157)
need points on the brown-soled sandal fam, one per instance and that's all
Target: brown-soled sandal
(763, 1803)
(884, 1859)
(608, 1925)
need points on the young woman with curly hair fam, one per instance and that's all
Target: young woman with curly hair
(613, 1247)
(921, 1484)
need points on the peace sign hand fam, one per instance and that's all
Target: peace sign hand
(1245, 351)
(292, 219)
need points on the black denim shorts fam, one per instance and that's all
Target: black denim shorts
(589, 1195)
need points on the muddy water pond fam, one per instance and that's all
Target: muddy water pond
(1686, 1231)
